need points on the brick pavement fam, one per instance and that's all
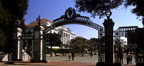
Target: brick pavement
(50, 64)
(53, 64)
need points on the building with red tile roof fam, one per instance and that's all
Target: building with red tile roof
(65, 32)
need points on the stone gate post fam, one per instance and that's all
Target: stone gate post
(108, 25)
(38, 47)
(17, 52)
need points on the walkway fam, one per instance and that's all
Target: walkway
(85, 59)
(63, 61)
(54, 64)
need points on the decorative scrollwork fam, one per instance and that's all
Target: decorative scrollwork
(71, 17)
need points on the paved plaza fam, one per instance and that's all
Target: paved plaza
(64, 61)
(85, 59)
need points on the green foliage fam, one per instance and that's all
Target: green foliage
(10, 12)
(97, 7)
(2, 40)
(16, 7)
(139, 7)
(53, 39)
(79, 44)
(119, 43)
(49, 50)
(82, 45)
(93, 45)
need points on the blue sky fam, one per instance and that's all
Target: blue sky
(52, 9)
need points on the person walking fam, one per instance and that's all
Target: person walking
(72, 55)
(69, 56)
(121, 57)
(91, 54)
(128, 57)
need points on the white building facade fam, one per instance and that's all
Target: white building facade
(66, 33)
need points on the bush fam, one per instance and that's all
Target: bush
(57, 50)
(2, 40)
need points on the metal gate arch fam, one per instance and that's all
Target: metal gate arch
(71, 17)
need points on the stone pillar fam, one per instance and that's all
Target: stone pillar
(42, 46)
(39, 54)
(17, 56)
(36, 45)
(108, 25)
(44, 51)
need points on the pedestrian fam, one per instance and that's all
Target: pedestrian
(72, 55)
(131, 56)
(91, 54)
(69, 55)
(121, 57)
(128, 57)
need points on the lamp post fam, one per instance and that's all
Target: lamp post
(108, 13)
(108, 25)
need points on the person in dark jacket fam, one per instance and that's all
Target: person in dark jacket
(72, 55)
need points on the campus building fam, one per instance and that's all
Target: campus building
(66, 33)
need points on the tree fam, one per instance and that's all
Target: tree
(15, 9)
(93, 46)
(2, 40)
(11, 11)
(53, 39)
(97, 7)
(118, 44)
(138, 9)
(79, 44)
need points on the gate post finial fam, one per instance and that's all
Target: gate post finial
(38, 19)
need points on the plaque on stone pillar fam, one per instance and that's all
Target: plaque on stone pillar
(37, 34)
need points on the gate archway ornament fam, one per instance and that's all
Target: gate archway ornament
(71, 17)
